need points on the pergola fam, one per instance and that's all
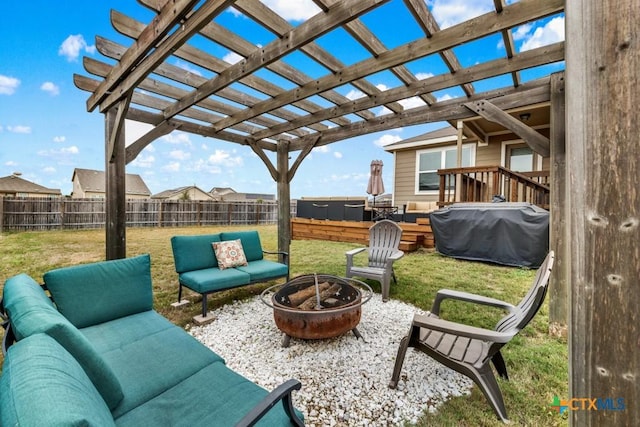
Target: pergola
(282, 111)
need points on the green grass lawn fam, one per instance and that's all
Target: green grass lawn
(537, 363)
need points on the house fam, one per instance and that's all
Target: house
(493, 162)
(229, 194)
(88, 184)
(14, 186)
(183, 193)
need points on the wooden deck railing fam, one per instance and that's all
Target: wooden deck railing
(481, 184)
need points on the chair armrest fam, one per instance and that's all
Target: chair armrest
(285, 255)
(396, 255)
(459, 329)
(353, 252)
(467, 297)
(280, 393)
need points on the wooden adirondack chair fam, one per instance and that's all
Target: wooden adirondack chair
(468, 349)
(384, 240)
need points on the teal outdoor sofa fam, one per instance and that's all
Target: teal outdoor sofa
(197, 266)
(97, 354)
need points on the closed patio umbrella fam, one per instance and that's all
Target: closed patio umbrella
(375, 186)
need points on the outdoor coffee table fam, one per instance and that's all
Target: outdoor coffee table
(317, 306)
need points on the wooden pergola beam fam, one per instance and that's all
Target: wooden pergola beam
(170, 15)
(536, 141)
(518, 13)
(531, 58)
(527, 94)
(298, 36)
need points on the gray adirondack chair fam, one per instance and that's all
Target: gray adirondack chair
(468, 349)
(384, 240)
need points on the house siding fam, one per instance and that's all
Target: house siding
(405, 166)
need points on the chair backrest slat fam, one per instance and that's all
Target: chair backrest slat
(532, 301)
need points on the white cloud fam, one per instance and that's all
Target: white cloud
(179, 155)
(134, 130)
(522, 32)
(144, 161)
(386, 139)
(382, 87)
(59, 138)
(337, 154)
(551, 32)
(19, 129)
(177, 137)
(422, 76)
(452, 12)
(49, 170)
(11, 163)
(73, 45)
(8, 85)
(322, 149)
(224, 157)
(187, 67)
(232, 58)
(299, 10)
(172, 167)
(354, 94)
(50, 88)
(59, 151)
(412, 102)
(444, 97)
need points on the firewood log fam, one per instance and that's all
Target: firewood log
(311, 302)
(302, 295)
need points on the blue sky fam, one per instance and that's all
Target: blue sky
(46, 131)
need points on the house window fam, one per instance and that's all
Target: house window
(429, 161)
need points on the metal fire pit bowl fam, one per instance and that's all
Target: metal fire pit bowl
(330, 321)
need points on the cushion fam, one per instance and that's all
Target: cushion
(250, 243)
(229, 254)
(30, 315)
(43, 385)
(264, 269)
(229, 396)
(98, 292)
(214, 279)
(194, 252)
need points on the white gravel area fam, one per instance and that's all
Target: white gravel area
(344, 379)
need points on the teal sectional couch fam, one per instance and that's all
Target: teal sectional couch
(197, 266)
(99, 355)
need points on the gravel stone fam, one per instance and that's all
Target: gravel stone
(344, 379)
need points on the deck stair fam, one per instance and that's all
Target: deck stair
(414, 235)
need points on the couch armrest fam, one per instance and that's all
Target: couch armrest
(280, 393)
(285, 255)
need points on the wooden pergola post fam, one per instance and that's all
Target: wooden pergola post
(284, 197)
(559, 209)
(603, 160)
(115, 197)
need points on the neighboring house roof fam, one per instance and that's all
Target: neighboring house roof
(446, 134)
(13, 184)
(94, 181)
(221, 191)
(167, 194)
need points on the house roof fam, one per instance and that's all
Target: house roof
(221, 191)
(14, 184)
(446, 134)
(175, 191)
(94, 181)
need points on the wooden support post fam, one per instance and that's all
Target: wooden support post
(284, 197)
(459, 162)
(116, 198)
(603, 89)
(559, 282)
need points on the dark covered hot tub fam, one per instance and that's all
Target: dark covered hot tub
(514, 234)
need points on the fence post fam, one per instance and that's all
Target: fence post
(1, 213)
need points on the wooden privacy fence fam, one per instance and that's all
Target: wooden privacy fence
(22, 214)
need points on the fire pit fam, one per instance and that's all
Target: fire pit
(317, 306)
